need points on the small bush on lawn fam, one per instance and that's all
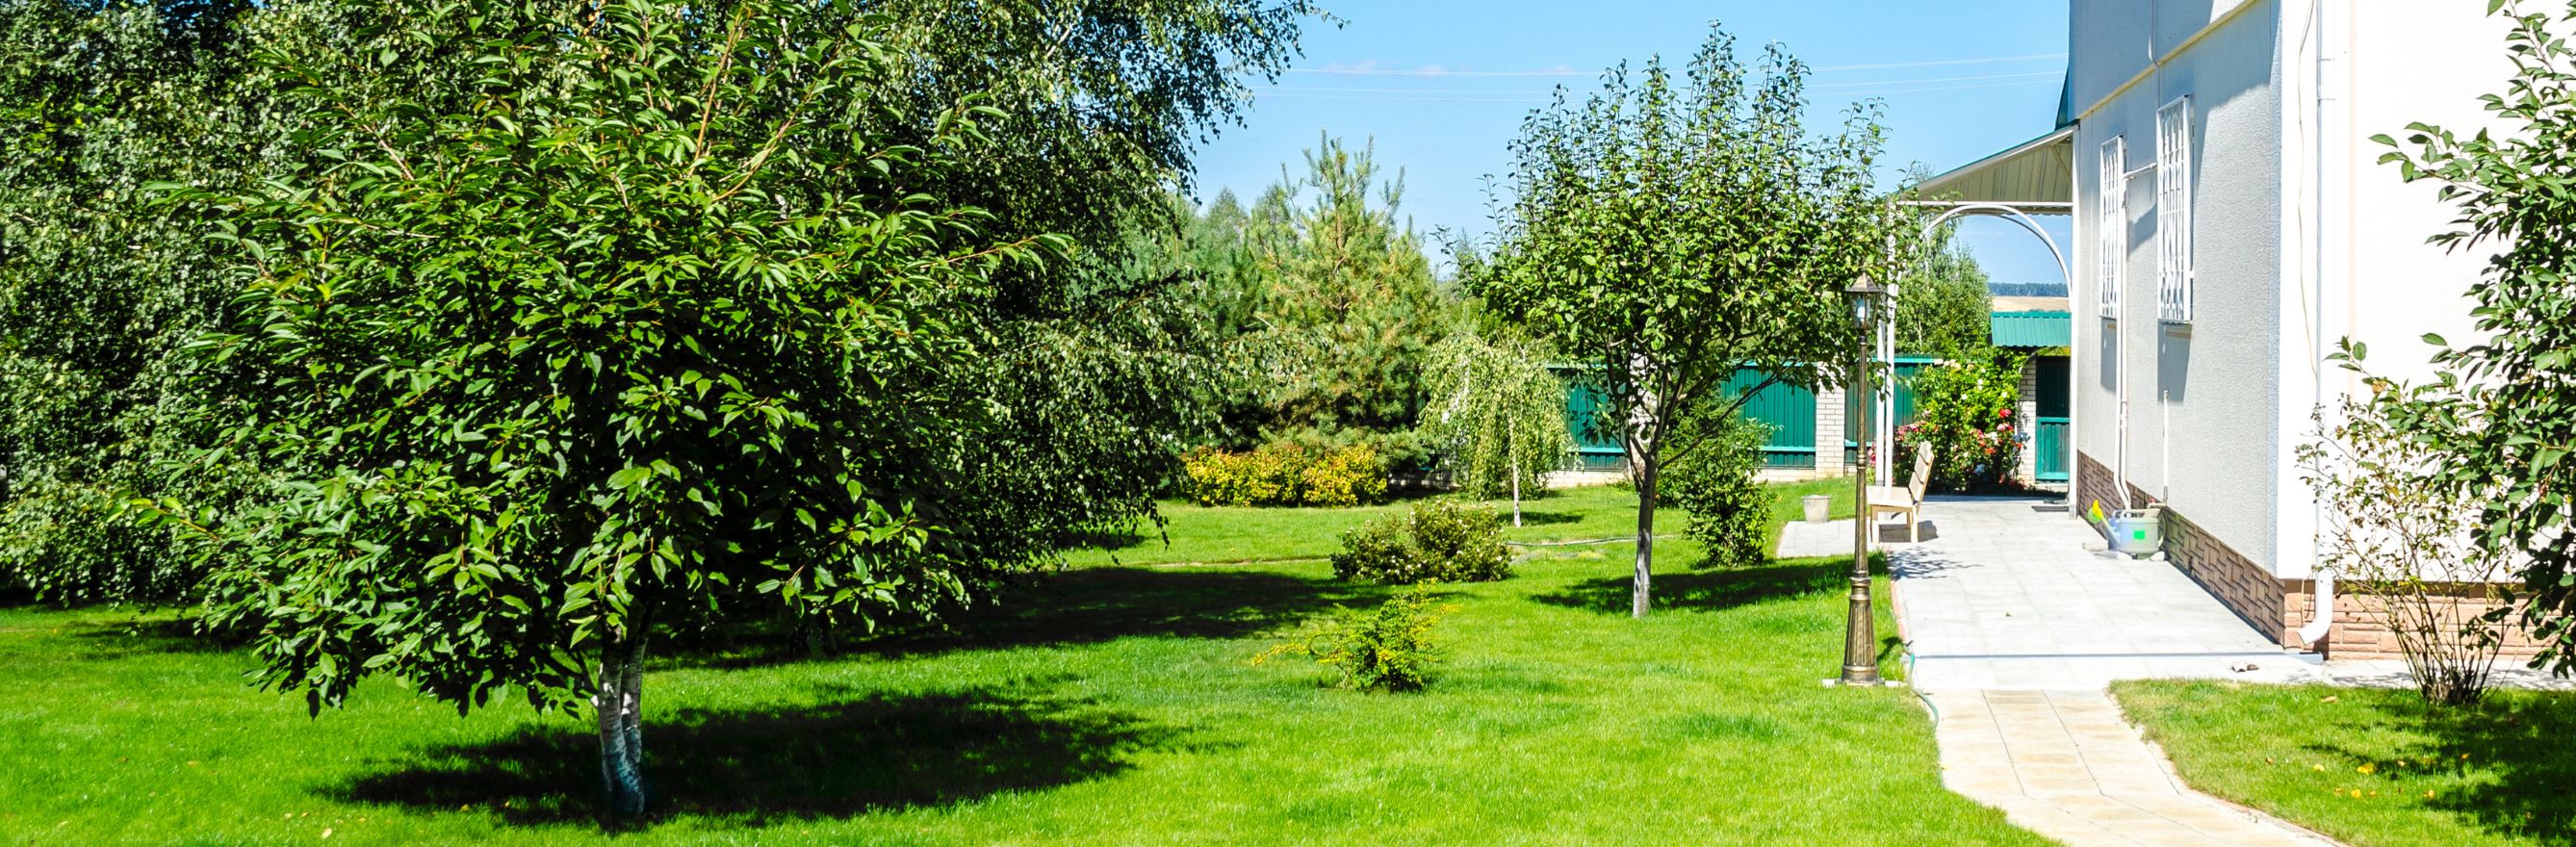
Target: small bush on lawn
(1715, 485)
(1285, 474)
(1389, 649)
(1439, 541)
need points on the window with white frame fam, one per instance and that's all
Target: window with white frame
(2173, 211)
(2112, 241)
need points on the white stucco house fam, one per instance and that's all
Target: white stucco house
(2231, 222)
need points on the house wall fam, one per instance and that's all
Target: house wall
(2202, 397)
(2387, 65)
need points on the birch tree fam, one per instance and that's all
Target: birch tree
(1499, 412)
(1675, 229)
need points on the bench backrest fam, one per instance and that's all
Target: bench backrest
(1922, 471)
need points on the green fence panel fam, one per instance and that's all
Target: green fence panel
(1593, 450)
(1790, 414)
(1906, 368)
(1788, 411)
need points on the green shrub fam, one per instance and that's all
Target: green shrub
(1286, 474)
(1438, 541)
(1389, 649)
(1715, 485)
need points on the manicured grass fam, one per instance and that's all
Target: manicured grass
(1106, 705)
(2502, 773)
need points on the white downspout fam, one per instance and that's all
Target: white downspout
(2332, 238)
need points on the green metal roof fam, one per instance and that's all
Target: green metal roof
(2031, 329)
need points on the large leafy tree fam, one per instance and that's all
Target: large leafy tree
(2502, 412)
(1675, 230)
(584, 320)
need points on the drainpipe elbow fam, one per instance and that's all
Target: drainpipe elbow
(2313, 635)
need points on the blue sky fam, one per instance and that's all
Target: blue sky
(1441, 86)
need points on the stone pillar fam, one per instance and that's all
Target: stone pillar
(1829, 432)
(2026, 423)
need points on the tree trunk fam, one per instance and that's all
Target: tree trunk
(1645, 531)
(620, 704)
(1512, 447)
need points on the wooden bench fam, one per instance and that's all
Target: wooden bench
(1905, 500)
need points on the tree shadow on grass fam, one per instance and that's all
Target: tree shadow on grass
(1706, 590)
(838, 759)
(1079, 606)
(149, 637)
(1535, 518)
(2518, 747)
(1092, 605)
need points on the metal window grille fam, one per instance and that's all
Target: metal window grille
(2173, 211)
(2113, 238)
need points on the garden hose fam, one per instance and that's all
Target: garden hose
(1917, 689)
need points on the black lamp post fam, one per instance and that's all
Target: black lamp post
(1860, 635)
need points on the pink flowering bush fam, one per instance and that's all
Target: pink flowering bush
(1964, 409)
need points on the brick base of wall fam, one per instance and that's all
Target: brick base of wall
(2361, 629)
(2274, 606)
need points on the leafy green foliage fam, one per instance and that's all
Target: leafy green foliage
(1437, 541)
(1964, 409)
(1388, 649)
(1674, 231)
(1498, 413)
(2499, 414)
(1286, 474)
(1729, 507)
(98, 290)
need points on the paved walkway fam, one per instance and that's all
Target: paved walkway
(2067, 766)
(2016, 627)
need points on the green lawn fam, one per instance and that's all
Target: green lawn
(2499, 774)
(1235, 535)
(1109, 704)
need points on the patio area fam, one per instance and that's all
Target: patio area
(2001, 595)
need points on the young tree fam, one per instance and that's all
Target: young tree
(1350, 305)
(2514, 190)
(1498, 412)
(1677, 230)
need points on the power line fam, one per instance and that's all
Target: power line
(1432, 95)
(2031, 75)
(2026, 82)
(1943, 62)
(1569, 72)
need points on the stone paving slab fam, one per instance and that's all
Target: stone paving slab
(2066, 765)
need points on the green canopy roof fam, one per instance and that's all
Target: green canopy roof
(2031, 329)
